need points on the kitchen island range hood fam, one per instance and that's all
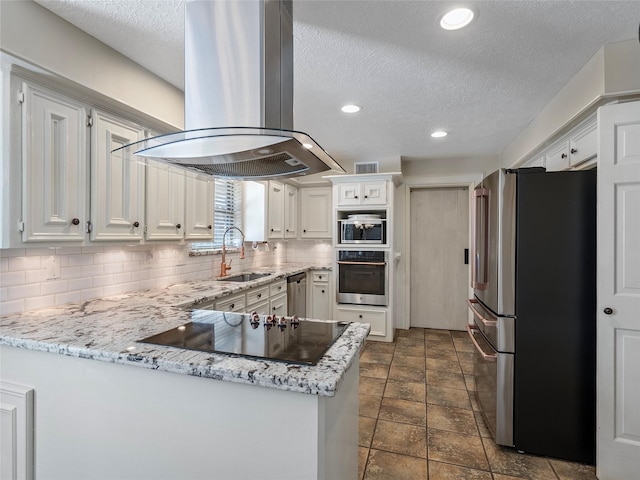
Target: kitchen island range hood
(238, 97)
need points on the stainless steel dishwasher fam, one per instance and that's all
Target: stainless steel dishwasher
(297, 294)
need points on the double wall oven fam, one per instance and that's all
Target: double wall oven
(363, 277)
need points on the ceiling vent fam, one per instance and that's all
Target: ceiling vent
(367, 167)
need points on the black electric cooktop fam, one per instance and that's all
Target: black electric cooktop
(285, 339)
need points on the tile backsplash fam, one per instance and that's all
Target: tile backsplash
(94, 272)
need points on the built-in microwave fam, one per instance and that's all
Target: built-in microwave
(363, 229)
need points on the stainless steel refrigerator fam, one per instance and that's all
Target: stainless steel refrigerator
(534, 281)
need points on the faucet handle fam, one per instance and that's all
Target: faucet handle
(229, 264)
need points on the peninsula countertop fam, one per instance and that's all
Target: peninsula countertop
(108, 330)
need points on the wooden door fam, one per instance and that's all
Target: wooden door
(439, 229)
(618, 330)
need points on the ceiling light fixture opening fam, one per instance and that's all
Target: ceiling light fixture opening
(439, 134)
(350, 108)
(456, 18)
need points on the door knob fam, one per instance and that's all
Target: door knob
(608, 311)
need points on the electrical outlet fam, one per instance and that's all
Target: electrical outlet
(53, 268)
(148, 259)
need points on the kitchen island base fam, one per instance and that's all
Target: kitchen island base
(98, 420)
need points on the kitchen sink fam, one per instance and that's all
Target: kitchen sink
(244, 277)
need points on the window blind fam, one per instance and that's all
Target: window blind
(227, 212)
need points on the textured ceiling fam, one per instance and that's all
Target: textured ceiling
(483, 84)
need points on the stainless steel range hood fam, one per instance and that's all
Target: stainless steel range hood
(238, 96)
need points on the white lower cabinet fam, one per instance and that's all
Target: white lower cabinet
(320, 298)
(16, 431)
(278, 305)
(258, 300)
(233, 303)
(376, 317)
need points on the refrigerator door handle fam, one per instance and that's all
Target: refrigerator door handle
(486, 356)
(487, 323)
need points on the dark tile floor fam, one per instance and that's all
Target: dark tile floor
(419, 418)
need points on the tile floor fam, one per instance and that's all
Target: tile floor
(419, 419)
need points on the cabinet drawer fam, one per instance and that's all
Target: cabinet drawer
(257, 295)
(557, 158)
(320, 277)
(584, 144)
(377, 318)
(278, 287)
(236, 303)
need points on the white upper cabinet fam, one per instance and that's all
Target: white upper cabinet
(362, 193)
(165, 202)
(573, 150)
(54, 173)
(276, 209)
(117, 183)
(290, 211)
(199, 199)
(315, 212)
(557, 157)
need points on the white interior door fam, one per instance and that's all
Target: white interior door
(439, 229)
(618, 364)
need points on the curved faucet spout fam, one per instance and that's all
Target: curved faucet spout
(223, 265)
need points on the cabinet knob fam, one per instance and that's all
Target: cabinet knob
(356, 196)
(322, 291)
(564, 155)
(209, 227)
(608, 311)
(287, 229)
(259, 295)
(75, 221)
(359, 316)
(178, 226)
(366, 196)
(272, 229)
(573, 150)
(136, 224)
(305, 230)
(232, 306)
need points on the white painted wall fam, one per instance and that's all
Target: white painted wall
(32, 33)
(613, 71)
(448, 166)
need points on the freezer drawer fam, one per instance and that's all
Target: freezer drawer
(494, 387)
(499, 331)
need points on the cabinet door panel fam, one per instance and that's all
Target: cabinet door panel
(348, 194)
(320, 301)
(199, 209)
(117, 182)
(374, 193)
(54, 171)
(290, 211)
(276, 210)
(165, 202)
(315, 212)
(557, 158)
(584, 144)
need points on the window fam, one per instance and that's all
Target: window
(227, 212)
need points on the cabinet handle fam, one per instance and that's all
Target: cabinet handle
(608, 311)
(287, 230)
(178, 226)
(564, 155)
(305, 231)
(573, 150)
(259, 295)
(232, 305)
(360, 316)
(272, 229)
(209, 227)
(75, 221)
(356, 196)
(136, 224)
(366, 196)
(322, 291)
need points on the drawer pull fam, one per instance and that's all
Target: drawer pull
(487, 356)
(486, 322)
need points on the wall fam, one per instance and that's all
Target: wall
(449, 166)
(102, 271)
(613, 71)
(32, 33)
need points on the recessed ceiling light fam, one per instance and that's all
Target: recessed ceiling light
(439, 134)
(350, 108)
(456, 18)
(308, 146)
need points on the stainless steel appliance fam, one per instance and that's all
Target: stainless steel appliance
(286, 339)
(297, 294)
(363, 228)
(533, 274)
(362, 277)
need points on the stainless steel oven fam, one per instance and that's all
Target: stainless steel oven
(362, 277)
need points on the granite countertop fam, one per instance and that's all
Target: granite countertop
(109, 329)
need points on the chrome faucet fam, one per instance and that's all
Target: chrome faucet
(223, 266)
